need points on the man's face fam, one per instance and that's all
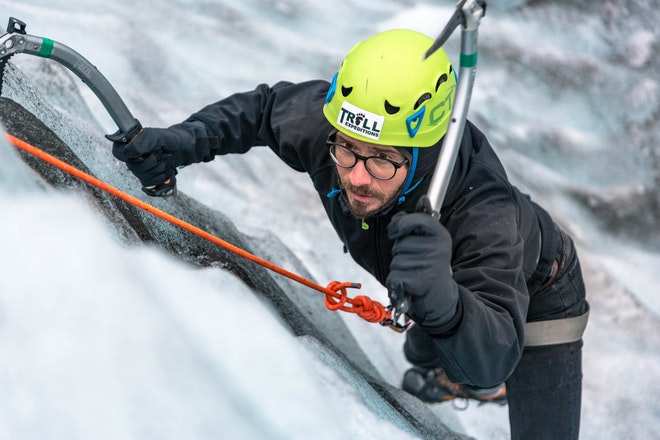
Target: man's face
(366, 194)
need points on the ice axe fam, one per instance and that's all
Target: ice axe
(16, 40)
(468, 14)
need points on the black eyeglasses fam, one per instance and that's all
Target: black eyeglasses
(379, 167)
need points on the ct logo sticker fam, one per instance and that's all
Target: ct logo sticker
(360, 121)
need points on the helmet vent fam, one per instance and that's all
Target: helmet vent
(345, 91)
(421, 99)
(391, 109)
(441, 80)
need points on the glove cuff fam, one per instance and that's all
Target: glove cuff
(444, 328)
(193, 144)
(441, 310)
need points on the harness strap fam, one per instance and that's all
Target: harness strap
(556, 331)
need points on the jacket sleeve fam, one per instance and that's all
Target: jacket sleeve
(484, 342)
(287, 117)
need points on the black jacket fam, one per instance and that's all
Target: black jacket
(502, 242)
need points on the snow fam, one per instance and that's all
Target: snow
(101, 340)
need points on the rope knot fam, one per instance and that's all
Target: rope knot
(338, 295)
(337, 299)
(368, 309)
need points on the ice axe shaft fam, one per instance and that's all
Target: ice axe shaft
(468, 13)
(471, 11)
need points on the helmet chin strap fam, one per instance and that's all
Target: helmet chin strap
(408, 184)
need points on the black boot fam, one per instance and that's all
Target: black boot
(432, 385)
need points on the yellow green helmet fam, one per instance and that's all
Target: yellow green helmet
(386, 93)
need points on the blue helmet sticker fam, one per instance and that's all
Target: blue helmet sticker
(332, 89)
(414, 121)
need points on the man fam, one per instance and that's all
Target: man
(370, 140)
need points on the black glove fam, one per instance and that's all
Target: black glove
(421, 269)
(155, 153)
(150, 155)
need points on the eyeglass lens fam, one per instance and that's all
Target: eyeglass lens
(378, 167)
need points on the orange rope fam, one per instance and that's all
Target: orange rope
(336, 295)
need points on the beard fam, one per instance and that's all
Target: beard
(361, 210)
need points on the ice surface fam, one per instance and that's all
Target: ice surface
(104, 341)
